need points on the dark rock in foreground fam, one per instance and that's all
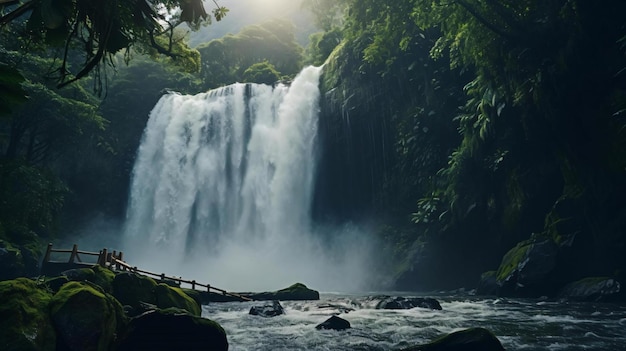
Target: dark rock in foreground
(592, 289)
(85, 317)
(273, 310)
(334, 323)
(404, 303)
(169, 329)
(473, 339)
(25, 323)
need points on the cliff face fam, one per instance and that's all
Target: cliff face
(398, 148)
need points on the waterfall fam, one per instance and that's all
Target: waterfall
(222, 188)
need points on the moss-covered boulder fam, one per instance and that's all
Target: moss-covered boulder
(169, 329)
(25, 323)
(101, 276)
(85, 318)
(528, 269)
(297, 291)
(592, 289)
(133, 289)
(167, 296)
(473, 339)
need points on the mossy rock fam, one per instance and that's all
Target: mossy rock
(194, 294)
(133, 289)
(465, 340)
(170, 329)
(85, 317)
(511, 261)
(29, 326)
(168, 296)
(101, 276)
(297, 291)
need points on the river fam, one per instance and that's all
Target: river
(520, 324)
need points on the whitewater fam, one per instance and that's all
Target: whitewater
(222, 191)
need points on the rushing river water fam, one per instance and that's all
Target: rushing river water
(519, 324)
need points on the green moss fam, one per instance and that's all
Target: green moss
(103, 277)
(512, 260)
(168, 296)
(29, 327)
(132, 289)
(85, 317)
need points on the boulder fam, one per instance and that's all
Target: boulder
(297, 291)
(29, 326)
(487, 284)
(404, 303)
(167, 296)
(473, 339)
(267, 310)
(85, 318)
(133, 289)
(170, 329)
(334, 323)
(592, 289)
(528, 269)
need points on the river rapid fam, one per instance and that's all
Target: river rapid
(520, 324)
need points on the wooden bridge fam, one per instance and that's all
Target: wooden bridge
(115, 261)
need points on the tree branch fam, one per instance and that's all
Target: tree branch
(4, 20)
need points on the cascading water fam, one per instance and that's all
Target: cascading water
(222, 189)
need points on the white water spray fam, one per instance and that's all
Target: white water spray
(222, 191)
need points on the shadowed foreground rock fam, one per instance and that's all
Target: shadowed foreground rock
(25, 323)
(334, 323)
(172, 330)
(473, 339)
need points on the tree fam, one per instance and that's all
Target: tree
(101, 29)
(261, 73)
(225, 60)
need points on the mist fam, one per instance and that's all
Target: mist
(222, 191)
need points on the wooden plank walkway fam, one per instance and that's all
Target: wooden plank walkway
(115, 261)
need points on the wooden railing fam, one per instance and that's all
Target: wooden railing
(114, 260)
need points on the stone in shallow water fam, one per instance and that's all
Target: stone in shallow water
(405, 303)
(592, 289)
(275, 309)
(334, 323)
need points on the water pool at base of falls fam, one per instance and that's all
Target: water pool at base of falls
(519, 324)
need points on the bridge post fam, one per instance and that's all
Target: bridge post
(46, 258)
(105, 257)
(120, 258)
(74, 253)
(193, 285)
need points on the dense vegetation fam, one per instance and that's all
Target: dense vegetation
(457, 128)
(488, 121)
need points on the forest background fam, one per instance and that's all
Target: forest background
(457, 130)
